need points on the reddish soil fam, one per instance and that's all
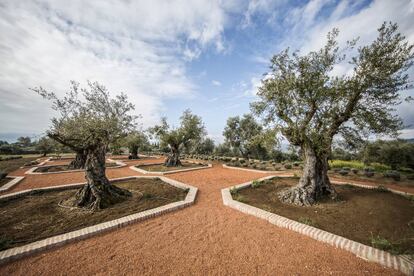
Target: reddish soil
(207, 238)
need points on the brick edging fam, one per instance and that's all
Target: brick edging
(361, 250)
(170, 172)
(59, 240)
(15, 180)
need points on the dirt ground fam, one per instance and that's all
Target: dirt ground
(207, 238)
(35, 217)
(64, 167)
(380, 215)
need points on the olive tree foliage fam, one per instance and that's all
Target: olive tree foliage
(206, 146)
(134, 141)
(89, 121)
(188, 134)
(45, 145)
(247, 136)
(395, 153)
(309, 105)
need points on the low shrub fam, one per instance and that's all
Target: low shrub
(393, 174)
(288, 166)
(296, 164)
(380, 243)
(256, 184)
(343, 172)
(382, 188)
(355, 171)
(307, 221)
(369, 173)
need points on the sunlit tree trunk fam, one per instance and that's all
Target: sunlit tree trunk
(98, 192)
(173, 159)
(314, 183)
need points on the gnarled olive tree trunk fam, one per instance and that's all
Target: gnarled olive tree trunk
(98, 192)
(78, 162)
(173, 159)
(133, 152)
(314, 183)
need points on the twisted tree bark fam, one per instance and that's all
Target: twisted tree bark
(78, 162)
(133, 153)
(314, 183)
(98, 192)
(173, 159)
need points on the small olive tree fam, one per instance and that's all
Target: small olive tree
(134, 141)
(189, 133)
(89, 125)
(309, 106)
(45, 145)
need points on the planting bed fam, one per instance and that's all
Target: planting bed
(370, 216)
(37, 216)
(378, 177)
(162, 168)
(62, 168)
(12, 165)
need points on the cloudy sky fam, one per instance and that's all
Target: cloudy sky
(205, 55)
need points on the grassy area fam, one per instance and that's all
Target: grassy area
(384, 220)
(39, 216)
(358, 165)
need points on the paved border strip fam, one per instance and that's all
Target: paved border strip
(170, 172)
(59, 240)
(361, 250)
(120, 164)
(15, 180)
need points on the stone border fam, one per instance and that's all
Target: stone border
(15, 180)
(59, 240)
(169, 172)
(361, 250)
(120, 164)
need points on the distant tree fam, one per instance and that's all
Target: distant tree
(190, 132)
(309, 106)
(89, 125)
(116, 148)
(248, 136)
(134, 141)
(45, 145)
(206, 146)
(24, 141)
(223, 149)
(395, 153)
(3, 143)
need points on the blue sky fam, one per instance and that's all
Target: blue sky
(205, 55)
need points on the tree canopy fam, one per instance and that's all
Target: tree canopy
(309, 105)
(189, 133)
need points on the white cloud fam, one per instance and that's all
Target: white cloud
(138, 47)
(216, 83)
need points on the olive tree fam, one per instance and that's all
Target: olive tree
(247, 136)
(89, 121)
(45, 145)
(189, 133)
(309, 105)
(134, 141)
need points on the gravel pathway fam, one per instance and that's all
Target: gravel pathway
(206, 238)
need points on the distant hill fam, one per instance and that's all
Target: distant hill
(411, 140)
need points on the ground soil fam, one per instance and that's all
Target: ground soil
(125, 157)
(207, 238)
(359, 214)
(12, 165)
(378, 177)
(61, 168)
(35, 217)
(162, 168)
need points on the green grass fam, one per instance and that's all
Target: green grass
(378, 167)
